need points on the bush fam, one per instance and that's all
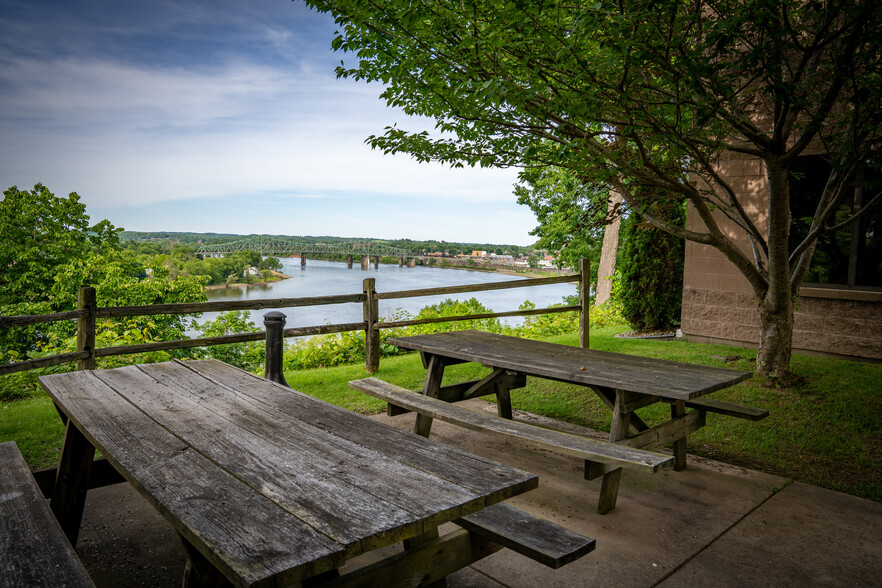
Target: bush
(249, 356)
(651, 274)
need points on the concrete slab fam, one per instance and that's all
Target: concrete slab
(660, 522)
(125, 542)
(711, 525)
(802, 536)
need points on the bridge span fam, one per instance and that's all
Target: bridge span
(266, 245)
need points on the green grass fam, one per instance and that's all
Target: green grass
(827, 431)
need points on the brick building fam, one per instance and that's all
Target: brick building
(839, 311)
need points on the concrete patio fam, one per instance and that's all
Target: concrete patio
(711, 525)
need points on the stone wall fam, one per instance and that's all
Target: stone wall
(718, 303)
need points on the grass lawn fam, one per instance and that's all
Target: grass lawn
(827, 431)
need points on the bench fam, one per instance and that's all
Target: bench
(605, 452)
(33, 549)
(539, 539)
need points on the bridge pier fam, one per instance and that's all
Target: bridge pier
(365, 262)
(400, 261)
(376, 262)
(302, 258)
(349, 261)
(411, 262)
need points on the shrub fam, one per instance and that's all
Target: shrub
(651, 274)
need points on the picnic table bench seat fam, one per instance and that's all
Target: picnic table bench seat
(531, 536)
(33, 548)
(605, 452)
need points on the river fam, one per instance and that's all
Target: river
(322, 278)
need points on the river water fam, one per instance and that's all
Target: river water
(323, 278)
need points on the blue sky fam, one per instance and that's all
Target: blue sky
(221, 116)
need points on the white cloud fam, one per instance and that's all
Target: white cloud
(124, 132)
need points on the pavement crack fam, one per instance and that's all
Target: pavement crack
(683, 563)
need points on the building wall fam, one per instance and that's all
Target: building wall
(718, 302)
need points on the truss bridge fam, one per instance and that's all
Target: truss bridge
(266, 245)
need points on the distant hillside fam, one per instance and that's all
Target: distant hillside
(410, 244)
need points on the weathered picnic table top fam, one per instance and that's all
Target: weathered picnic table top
(589, 367)
(271, 485)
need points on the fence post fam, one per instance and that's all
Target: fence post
(584, 301)
(371, 333)
(86, 300)
(274, 323)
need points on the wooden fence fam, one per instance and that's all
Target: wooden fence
(88, 313)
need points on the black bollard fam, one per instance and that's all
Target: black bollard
(274, 323)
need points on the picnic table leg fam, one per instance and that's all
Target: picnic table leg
(72, 482)
(609, 488)
(199, 572)
(678, 409)
(503, 400)
(413, 542)
(431, 388)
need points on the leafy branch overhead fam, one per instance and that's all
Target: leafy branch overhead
(649, 97)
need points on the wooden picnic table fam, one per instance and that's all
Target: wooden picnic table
(625, 383)
(267, 485)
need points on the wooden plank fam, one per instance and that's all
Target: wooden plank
(101, 474)
(484, 386)
(588, 367)
(495, 481)
(548, 439)
(71, 482)
(539, 539)
(23, 320)
(32, 364)
(431, 389)
(371, 314)
(457, 392)
(358, 497)
(609, 487)
(224, 339)
(224, 305)
(678, 410)
(424, 565)
(608, 397)
(33, 549)
(584, 302)
(729, 409)
(653, 439)
(476, 287)
(86, 301)
(245, 535)
(471, 317)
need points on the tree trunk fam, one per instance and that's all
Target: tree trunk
(776, 338)
(607, 267)
(776, 302)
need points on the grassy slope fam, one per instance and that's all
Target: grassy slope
(826, 432)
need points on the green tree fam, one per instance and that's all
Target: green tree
(270, 263)
(51, 249)
(570, 214)
(249, 355)
(637, 94)
(651, 274)
(40, 233)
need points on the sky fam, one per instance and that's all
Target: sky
(222, 116)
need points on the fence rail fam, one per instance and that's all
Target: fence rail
(88, 312)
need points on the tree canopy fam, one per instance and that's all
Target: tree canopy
(647, 96)
(40, 233)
